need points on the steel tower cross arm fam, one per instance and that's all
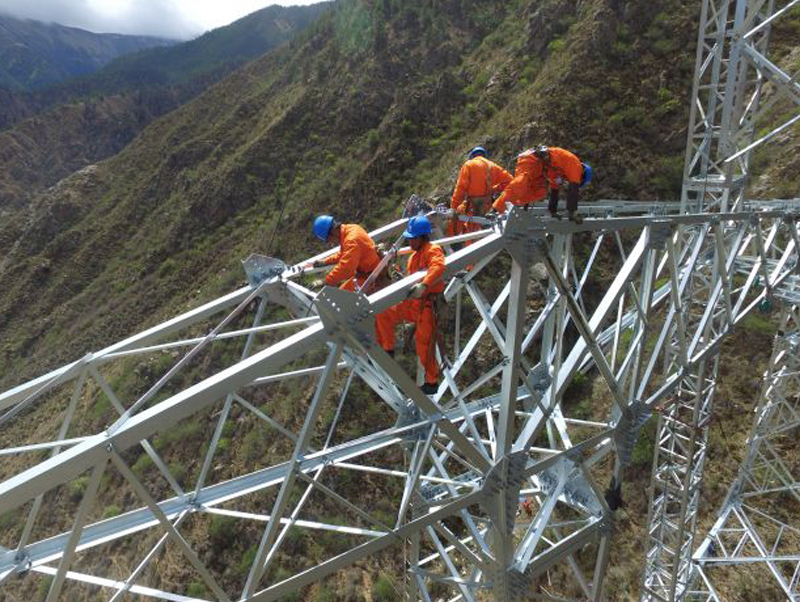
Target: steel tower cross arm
(11, 397)
(72, 462)
(570, 365)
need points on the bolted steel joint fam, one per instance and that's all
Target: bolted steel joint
(346, 315)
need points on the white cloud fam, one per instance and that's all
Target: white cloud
(180, 19)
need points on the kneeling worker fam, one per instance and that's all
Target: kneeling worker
(356, 258)
(419, 308)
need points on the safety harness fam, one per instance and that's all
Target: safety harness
(483, 200)
(486, 198)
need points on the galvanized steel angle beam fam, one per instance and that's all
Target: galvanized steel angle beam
(751, 528)
(711, 179)
(470, 435)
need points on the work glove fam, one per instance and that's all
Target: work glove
(313, 265)
(417, 291)
(462, 208)
(386, 248)
(318, 283)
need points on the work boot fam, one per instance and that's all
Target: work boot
(430, 388)
(390, 352)
(555, 215)
(575, 217)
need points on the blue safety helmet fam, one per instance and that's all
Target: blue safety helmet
(322, 227)
(478, 150)
(588, 172)
(418, 226)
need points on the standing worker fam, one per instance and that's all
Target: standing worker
(528, 186)
(478, 180)
(420, 307)
(356, 258)
(563, 167)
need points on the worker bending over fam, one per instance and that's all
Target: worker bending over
(478, 180)
(545, 169)
(562, 167)
(356, 258)
(420, 307)
(528, 185)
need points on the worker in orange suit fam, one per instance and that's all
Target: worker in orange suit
(478, 180)
(420, 306)
(563, 168)
(356, 258)
(528, 186)
(545, 169)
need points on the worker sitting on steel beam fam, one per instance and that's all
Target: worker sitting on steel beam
(563, 167)
(356, 258)
(478, 180)
(528, 185)
(422, 306)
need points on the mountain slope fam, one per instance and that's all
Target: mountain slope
(241, 41)
(100, 114)
(35, 54)
(216, 52)
(353, 116)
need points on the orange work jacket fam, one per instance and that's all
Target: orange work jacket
(357, 255)
(430, 257)
(479, 178)
(529, 184)
(564, 168)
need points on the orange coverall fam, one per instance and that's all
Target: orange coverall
(564, 168)
(355, 260)
(478, 179)
(528, 186)
(417, 311)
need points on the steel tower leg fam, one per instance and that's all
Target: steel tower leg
(730, 71)
(758, 521)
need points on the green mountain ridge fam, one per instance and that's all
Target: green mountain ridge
(376, 100)
(65, 128)
(220, 51)
(35, 54)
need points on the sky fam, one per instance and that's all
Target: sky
(179, 19)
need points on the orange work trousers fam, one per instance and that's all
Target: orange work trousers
(420, 313)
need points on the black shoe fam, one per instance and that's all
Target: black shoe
(430, 388)
(391, 352)
(555, 215)
(575, 217)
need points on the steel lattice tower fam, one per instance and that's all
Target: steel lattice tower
(732, 70)
(505, 428)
